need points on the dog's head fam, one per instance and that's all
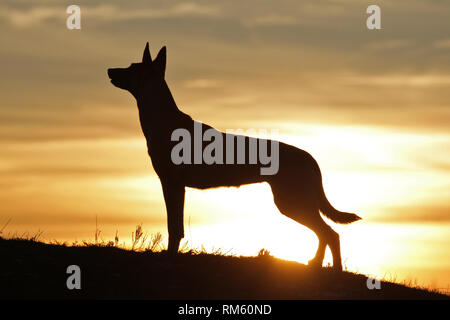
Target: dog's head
(139, 75)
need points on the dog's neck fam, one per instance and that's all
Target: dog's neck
(158, 111)
(159, 100)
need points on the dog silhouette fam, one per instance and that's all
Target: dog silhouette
(296, 186)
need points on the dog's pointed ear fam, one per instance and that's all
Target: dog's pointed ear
(146, 58)
(160, 61)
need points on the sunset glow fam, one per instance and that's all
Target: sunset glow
(373, 110)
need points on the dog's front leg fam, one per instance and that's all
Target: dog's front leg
(174, 198)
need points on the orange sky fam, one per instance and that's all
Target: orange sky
(373, 107)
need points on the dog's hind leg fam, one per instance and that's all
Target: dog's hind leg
(320, 253)
(327, 236)
(302, 207)
(174, 198)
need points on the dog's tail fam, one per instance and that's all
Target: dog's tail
(335, 215)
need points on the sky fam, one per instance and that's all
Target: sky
(372, 106)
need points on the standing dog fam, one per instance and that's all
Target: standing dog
(296, 186)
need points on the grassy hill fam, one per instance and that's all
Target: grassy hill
(31, 269)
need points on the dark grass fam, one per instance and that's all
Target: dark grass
(35, 270)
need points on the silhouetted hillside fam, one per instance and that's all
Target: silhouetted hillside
(31, 269)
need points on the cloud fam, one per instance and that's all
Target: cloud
(202, 84)
(63, 123)
(39, 218)
(33, 16)
(65, 171)
(414, 214)
(442, 44)
(401, 80)
(184, 9)
(271, 20)
(40, 14)
(290, 68)
(389, 44)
